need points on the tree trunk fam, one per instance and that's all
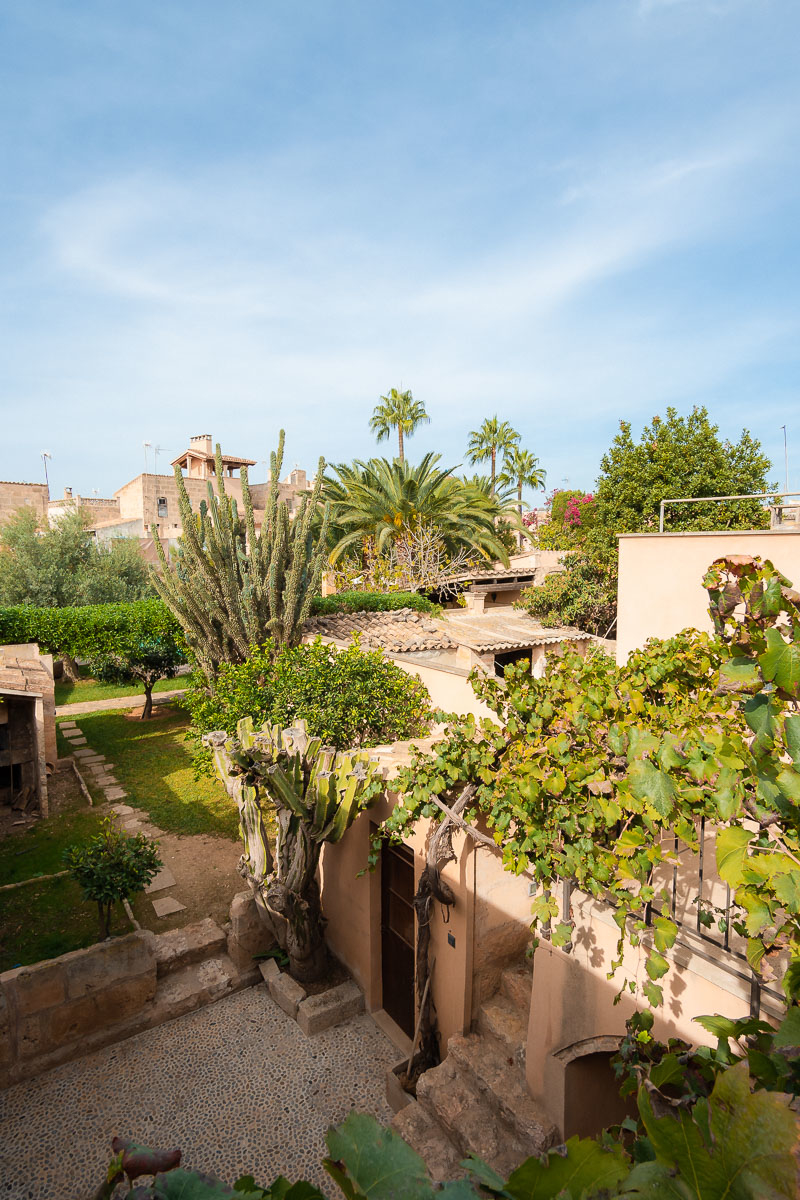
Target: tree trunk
(148, 701)
(519, 495)
(104, 913)
(494, 460)
(71, 671)
(400, 440)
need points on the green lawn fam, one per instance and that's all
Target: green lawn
(153, 764)
(89, 689)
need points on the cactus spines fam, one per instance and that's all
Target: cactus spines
(234, 587)
(317, 794)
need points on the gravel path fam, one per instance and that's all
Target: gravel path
(87, 706)
(236, 1085)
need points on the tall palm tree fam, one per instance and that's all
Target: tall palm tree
(522, 468)
(493, 436)
(400, 411)
(380, 501)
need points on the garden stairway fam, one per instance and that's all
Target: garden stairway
(477, 1100)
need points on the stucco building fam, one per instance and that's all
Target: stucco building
(14, 496)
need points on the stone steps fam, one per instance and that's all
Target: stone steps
(425, 1135)
(179, 948)
(477, 1101)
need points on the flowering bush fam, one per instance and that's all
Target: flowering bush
(578, 511)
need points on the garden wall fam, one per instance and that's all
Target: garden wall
(61, 1008)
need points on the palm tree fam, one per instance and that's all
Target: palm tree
(485, 442)
(400, 411)
(522, 468)
(381, 501)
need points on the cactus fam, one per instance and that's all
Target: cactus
(234, 588)
(317, 794)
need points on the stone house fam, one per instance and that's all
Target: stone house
(27, 727)
(14, 496)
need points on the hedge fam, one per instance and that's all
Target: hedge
(89, 630)
(349, 602)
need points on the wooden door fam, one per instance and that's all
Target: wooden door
(397, 934)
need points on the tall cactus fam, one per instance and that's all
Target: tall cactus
(317, 794)
(234, 587)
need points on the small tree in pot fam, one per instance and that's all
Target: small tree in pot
(317, 794)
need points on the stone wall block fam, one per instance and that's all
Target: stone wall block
(248, 934)
(95, 969)
(6, 1053)
(124, 999)
(38, 987)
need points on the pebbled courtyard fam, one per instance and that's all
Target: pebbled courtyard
(237, 1086)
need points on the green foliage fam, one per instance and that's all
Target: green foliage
(732, 1146)
(493, 437)
(400, 411)
(144, 660)
(590, 766)
(376, 503)
(347, 697)
(89, 631)
(62, 564)
(351, 602)
(317, 794)
(233, 587)
(112, 866)
(680, 456)
(583, 594)
(675, 457)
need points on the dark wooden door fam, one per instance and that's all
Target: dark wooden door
(397, 934)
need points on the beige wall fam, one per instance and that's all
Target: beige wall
(573, 1013)
(139, 499)
(14, 496)
(660, 578)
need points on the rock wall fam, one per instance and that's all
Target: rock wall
(49, 1009)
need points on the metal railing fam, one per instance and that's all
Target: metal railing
(716, 500)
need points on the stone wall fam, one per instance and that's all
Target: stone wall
(14, 496)
(48, 1010)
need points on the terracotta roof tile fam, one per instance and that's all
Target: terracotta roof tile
(399, 632)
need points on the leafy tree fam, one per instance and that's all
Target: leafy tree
(493, 437)
(232, 587)
(521, 467)
(112, 866)
(144, 660)
(675, 457)
(379, 501)
(400, 411)
(62, 564)
(317, 794)
(347, 697)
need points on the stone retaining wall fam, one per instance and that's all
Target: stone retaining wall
(48, 1010)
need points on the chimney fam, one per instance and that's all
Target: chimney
(67, 493)
(201, 443)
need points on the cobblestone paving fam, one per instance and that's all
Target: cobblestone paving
(236, 1085)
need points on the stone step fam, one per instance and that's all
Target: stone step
(482, 1059)
(516, 984)
(502, 1019)
(469, 1116)
(179, 948)
(425, 1135)
(193, 986)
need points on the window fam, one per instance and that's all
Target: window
(162, 506)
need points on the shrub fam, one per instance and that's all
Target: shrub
(90, 630)
(112, 866)
(347, 697)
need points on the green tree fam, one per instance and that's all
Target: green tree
(58, 565)
(141, 659)
(378, 502)
(347, 697)
(493, 437)
(112, 866)
(674, 457)
(400, 411)
(232, 587)
(521, 468)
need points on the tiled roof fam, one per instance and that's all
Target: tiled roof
(501, 629)
(405, 631)
(402, 631)
(22, 675)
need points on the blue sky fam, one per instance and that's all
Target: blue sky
(229, 218)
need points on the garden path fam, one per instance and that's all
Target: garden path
(237, 1086)
(87, 706)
